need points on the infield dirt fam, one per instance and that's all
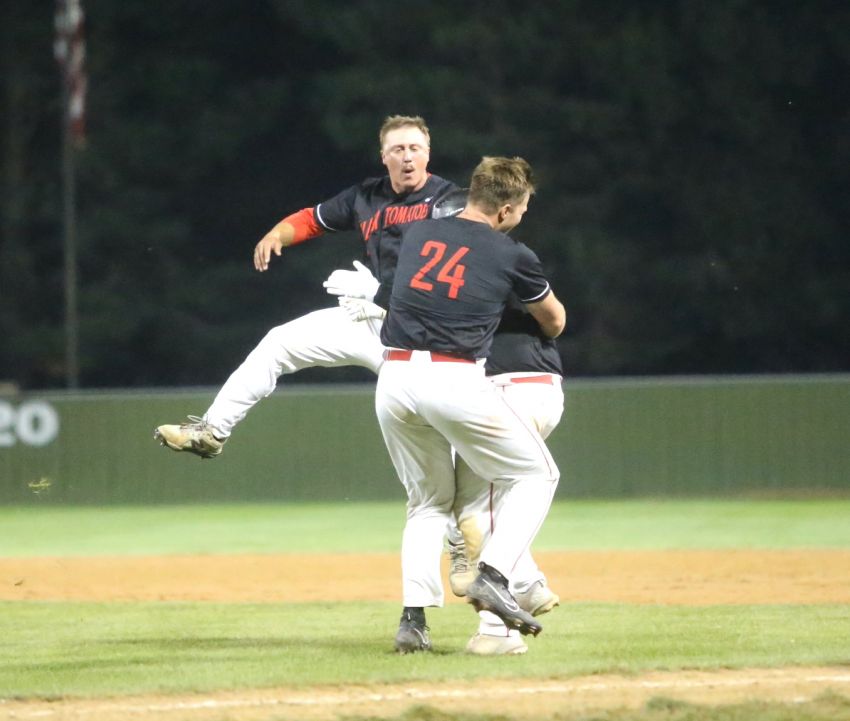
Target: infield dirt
(664, 577)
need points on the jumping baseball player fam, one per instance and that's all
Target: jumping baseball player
(347, 334)
(452, 281)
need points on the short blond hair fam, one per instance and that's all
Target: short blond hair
(394, 122)
(497, 181)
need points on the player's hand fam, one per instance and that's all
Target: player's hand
(271, 243)
(360, 309)
(359, 283)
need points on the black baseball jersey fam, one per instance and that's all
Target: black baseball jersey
(380, 214)
(451, 284)
(520, 346)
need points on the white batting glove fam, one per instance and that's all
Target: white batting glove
(359, 283)
(360, 309)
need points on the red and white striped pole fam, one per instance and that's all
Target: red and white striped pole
(69, 49)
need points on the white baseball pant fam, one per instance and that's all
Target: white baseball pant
(425, 408)
(538, 399)
(326, 338)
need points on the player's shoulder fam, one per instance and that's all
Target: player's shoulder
(378, 183)
(480, 236)
(517, 245)
(425, 227)
(432, 190)
(439, 185)
(367, 188)
(506, 241)
(512, 251)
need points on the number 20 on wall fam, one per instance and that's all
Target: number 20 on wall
(451, 272)
(33, 423)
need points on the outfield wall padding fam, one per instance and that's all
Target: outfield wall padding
(619, 437)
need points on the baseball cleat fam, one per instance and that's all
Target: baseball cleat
(196, 437)
(485, 645)
(489, 592)
(412, 635)
(460, 574)
(538, 599)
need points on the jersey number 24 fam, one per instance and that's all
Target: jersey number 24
(451, 272)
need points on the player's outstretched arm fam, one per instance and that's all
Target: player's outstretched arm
(295, 228)
(274, 241)
(550, 314)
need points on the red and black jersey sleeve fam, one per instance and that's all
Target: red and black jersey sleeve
(337, 213)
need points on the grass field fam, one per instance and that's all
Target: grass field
(55, 649)
(376, 527)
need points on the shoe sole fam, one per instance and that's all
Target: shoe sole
(418, 649)
(413, 647)
(164, 442)
(526, 628)
(512, 619)
(519, 651)
(546, 607)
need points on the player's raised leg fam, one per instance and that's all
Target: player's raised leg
(326, 338)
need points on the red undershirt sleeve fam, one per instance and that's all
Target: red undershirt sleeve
(305, 224)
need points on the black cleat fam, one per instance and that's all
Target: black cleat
(489, 592)
(413, 635)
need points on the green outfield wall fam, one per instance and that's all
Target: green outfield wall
(619, 438)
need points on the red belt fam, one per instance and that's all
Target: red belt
(548, 379)
(406, 355)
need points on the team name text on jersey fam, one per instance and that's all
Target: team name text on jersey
(395, 215)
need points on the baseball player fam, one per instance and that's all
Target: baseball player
(347, 334)
(525, 367)
(452, 281)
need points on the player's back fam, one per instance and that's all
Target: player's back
(452, 281)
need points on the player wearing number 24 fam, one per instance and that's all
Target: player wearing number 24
(452, 282)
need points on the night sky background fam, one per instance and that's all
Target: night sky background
(693, 159)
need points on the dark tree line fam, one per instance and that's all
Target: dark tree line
(693, 164)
